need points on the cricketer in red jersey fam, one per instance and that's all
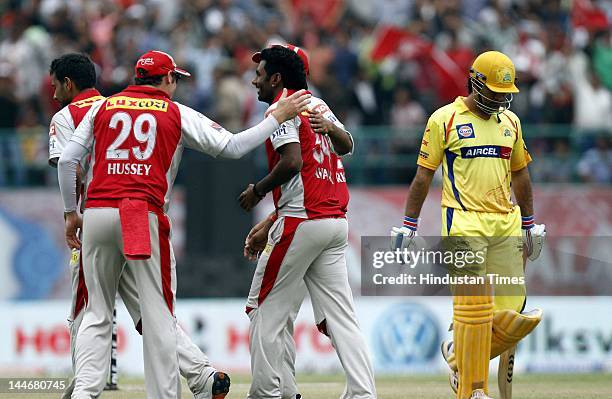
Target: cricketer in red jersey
(136, 139)
(73, 76)
(306, 243)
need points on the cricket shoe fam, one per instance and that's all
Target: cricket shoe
(479, 394)
(217, 386)
(447, 349)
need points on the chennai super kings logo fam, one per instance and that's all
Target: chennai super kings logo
(504, 75)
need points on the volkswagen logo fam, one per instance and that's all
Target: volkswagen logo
(407, 335)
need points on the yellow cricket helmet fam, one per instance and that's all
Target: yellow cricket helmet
(496, 71)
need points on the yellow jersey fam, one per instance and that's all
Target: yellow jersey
(477, 156)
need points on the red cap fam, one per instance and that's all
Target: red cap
(156, 63)
(301, 53)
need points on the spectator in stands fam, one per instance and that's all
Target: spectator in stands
(592, 101)
(555, 46)
(365, 99)
(230, 93)
(33, 139)
(10, 151)
(595, 166)
(345, 63)
(560, 164)
(24, 47)
(602, 57)
(406, 112)
(9, 107)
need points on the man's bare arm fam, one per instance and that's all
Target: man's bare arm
(289, 165)
(418, 191)
(521, 185)
(341, 140)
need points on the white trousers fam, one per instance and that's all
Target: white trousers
(310, 252)
(104, 266)
(194, 365)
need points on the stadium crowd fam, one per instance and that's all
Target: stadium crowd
(376, 63)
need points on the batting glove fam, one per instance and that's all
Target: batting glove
(534, 236)
(403, 237)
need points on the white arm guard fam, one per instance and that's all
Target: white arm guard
(67, 173)
(247, 140)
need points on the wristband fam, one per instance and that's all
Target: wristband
(272, 218)
(257, 193)
(527, 222)
(411, 223)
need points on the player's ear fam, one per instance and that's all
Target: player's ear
(68, 83)
(276, 79)
(171, 78)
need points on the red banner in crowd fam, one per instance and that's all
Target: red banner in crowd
(442, 71)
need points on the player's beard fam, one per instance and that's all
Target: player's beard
(64, 100)
(264, 97)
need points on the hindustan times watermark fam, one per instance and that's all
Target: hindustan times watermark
(436, 266)
(432, 279)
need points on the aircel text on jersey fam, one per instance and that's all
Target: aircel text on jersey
(120, 168)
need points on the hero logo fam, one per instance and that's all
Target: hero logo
(465, 131)
(410, 336)
(52, 339)
(146, 61)
(486, 151)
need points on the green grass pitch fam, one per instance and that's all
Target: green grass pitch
(541, 386)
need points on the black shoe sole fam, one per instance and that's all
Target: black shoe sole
(221, 385)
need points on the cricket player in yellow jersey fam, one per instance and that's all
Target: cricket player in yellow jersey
(480, 145)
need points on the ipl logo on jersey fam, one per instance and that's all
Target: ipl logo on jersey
(465, 131)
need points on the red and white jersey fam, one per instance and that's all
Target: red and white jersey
(65, 121)
(136, 139)
(319, 190)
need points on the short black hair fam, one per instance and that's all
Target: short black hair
(152, 80)
(77, 67)
(148, 80)
(281, 60)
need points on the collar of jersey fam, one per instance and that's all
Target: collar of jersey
(87, 93)
(146, 90)
(460, 105)
(289, 92)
